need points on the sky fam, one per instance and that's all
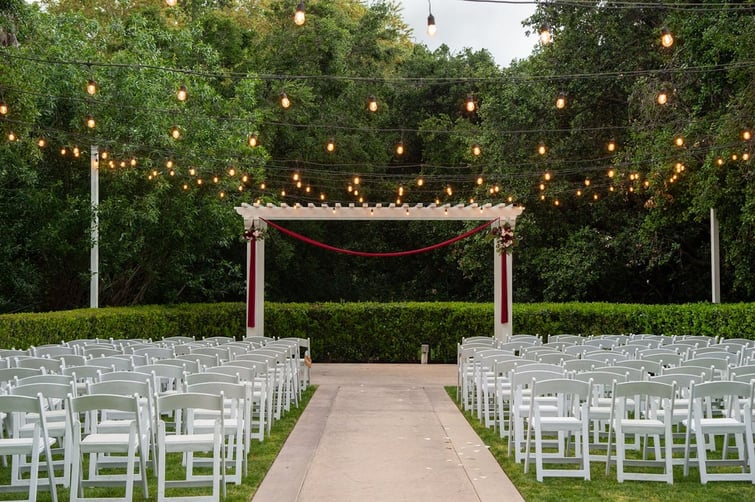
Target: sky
(496, 27)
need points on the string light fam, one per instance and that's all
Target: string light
(299, 17)
(400, 148)
(330, 147)
(12, 136)
(3, 108)
(746, 135)
(470, 105)
(480, 181)
(357, 180)
(182, 94)
(420, 182)
(587, 182)
(561, 101)
(42, 142)
(91, 87)
(611, 145)
(76, 151)
(611, 173)
(372, 104)
(541, 149)
(476, 150)
(662, 98)
(547, 176)
(171, 3)
(667, 39)
(431, 27)
(175, 132)
(546, 37)
(91, 122)
(231, 172)
(252, 140)
(285, 102)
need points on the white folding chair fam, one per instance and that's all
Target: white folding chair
(96, 442)
(732, 419)
(572, 418)
(646, 423)
(16, 408)
(188, 441)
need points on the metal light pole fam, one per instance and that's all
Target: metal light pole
(94, 252)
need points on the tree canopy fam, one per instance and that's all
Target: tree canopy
(617, 187)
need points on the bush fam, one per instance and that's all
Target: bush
(377, 332)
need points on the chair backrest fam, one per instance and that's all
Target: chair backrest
(155, 353)
(681, 380)
(49, 365)
(44, 379)
(579, 365)
(190, 400)
(201, 359)
(117, 363)
(46, 390)
(71, 360)
(101, 404)
(571, 393)
(121, 376)
(648, 397)
(86, 372)
(706, 373)
(555, 358)
(243, 373)
(603, 378)
(122, 388)
(8, 375)
(187, 365)
(524, 378)
(605, 357)
(733, 394)
(52, 351)
(194, 378)
(534, 366)
(567, 338)
(99, 351)
(721, 365)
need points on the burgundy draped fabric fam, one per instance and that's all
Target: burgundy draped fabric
(378, 255)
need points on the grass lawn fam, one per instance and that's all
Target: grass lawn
(261, 457)
(603, 488)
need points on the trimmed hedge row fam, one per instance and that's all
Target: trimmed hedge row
(376, 332)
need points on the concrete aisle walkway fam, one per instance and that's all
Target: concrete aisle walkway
(384, 432)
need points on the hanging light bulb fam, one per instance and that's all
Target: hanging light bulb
(182, 94)
(547, 176)
(133, 162)
(662, 98)
(91, 87)
(231, 172)
(299, 17)
(103, 154)
(175, 132)
(12, 136)
(171, 3)
(331, 145)
(169, 164)
(476, 150)
(295, 176)
(357, 180)
(372, 104)
(76, 151)
(285, 102)
(611, 146)
(64, 151)
(91, 122)
(587, 182)
(400, 148)
(263, 186)
(420, 182)
(449, 190)
(679, 141)
(431, 27)
(746, 135)
(252, 140)
(3, 108)
(611, 173)
(561, 101)
(545, 35)
(470, 105)
(42, 142)
(480, 181)
(401, 190)
(667, 39)
(541, 149)
(192, 171)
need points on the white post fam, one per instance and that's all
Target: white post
(715, 258)
(255, 283)
(94, 251)
(502, 268)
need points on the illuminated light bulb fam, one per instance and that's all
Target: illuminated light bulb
(283, 193)
(496, 189)
(746, 135)
(182, 94)
(594, 196)
(357, 180)
(4, 108)
(111, 164)
(662, 98)
(215, 179)
(734, 156)
(541, 149)
(611, 146)
(252, 140)
(542, 197)
(123, 163)
(631, 189)
(432, 28)
(169, 165)
(63, 151)
(241, 188)
(42, 142)
(221, 194)
(244, 178)
(331, 145)
(91, 123)
(746, 156)
(361, 200)
(295, 176)
(491, 190)
(155, 173)
(611, 188)
(133, 162)
(611, 173)
(298, 184)
(561, 101)
(322, 196)
(12, 136)
(646, 184)
(679, 141)
(480, 181)
(449, 190)
(401, 190)
(400, 148)
(299, 16)
(556, 202)
(667, 39)
(186, 186)
(579, 193)
(350, 188)
(76, 151)
(231, 172)
(149, 177)
(476, 150)
(171, 3)
(471, 201)
(263, 186)
(308, 189)
(547, 176)
(420, 182)
(542, 187)
(356, 192)
(545, 35)
(437, 201)
(720, 161)
(285, 102)
(398, 202)
(175, 132)
(587, 182)
(91, 87)
(199, 181)
(172, 172)
(103, 155)
(372, 104)
(470, 105)
(510, 199)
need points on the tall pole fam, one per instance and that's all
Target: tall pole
(94, 252)
(715, 258)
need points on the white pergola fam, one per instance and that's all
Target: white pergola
(256, 214)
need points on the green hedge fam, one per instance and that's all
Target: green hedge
(376, 332)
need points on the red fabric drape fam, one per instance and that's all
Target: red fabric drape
(251, 284)
(378, 255)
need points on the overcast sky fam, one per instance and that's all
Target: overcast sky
(496, 27)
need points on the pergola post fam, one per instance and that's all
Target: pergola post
(502, 297)
(255, 284)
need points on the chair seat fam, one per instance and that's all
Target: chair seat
(113, 442)
(189, 442)
(560, 423)
(721, 425)
(12, 446)
(645, 426)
